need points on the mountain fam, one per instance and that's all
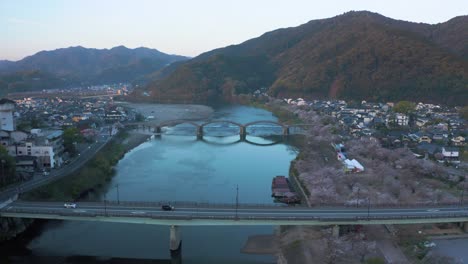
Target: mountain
(357, 55)
(78, 65)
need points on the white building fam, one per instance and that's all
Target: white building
(451, 154)
(401, 119)
(46, 146)
(44, 154)
(7, 107)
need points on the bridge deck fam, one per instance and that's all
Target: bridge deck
(190, 215)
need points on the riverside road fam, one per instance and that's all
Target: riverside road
(40, 180)
(151, 213)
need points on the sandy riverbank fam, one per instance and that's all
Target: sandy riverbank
(165, 112)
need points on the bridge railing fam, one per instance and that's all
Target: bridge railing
(195, 204)
(158, 204)
(196, 216)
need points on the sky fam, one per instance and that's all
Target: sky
(180, 27)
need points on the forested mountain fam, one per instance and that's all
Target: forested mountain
(78, 65)
(357, 55)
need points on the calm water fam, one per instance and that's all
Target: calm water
(183, 169)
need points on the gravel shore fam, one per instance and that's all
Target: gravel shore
(157, 113)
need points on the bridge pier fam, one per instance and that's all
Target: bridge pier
(242, 132)
(285, 131)
(336, 231)
(175, 240)
(157, 130)
(464, 226)
(200, 132)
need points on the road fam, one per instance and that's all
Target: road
(40, 180)
(273, 213)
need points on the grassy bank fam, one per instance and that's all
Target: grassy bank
(92, 175)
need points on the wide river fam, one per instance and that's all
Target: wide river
(179, 168)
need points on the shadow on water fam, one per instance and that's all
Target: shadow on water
(14, 251)
(83, 260)
(257, 141)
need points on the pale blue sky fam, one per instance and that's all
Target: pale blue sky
(181, 27)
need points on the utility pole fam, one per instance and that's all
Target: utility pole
(237, 199)
(118, 196)
(368, 209)
(105, 204)
(3, 173)
(463, 193)
(357, 201)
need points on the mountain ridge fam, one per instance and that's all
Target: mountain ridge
(357, 55)
(82, 66)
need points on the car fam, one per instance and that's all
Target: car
(167, 207)
(69, 205)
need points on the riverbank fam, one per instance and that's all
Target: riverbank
(93, 175)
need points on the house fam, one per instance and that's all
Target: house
(353, 166)
(451, 154)
(421, 121)
(458, 141)
(425, 138)
(429, 148)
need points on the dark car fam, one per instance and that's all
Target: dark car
(167, 207)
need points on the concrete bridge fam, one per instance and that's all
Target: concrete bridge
(197, 214)
(200, 127)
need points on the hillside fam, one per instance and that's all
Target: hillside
(78, 65)
(357, 55)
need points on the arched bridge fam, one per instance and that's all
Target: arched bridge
(200, 127)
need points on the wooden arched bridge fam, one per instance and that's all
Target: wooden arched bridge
(200, 127)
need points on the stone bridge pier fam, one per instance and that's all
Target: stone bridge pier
(242, 132)
(285, 131)
(157, 130)
(464, 226)
(175, 240)
(199, 132)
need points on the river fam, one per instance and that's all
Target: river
(178, 168)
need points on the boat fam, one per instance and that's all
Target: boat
(282, 192)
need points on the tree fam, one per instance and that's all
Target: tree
(8, 166)
(139, 117)
(404, 107)
(71, 136)
(464, 112)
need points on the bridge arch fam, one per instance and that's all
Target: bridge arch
(285, 128)
(262, 144)
(264, 122)
(222, 122)
(177, 122)
(202, 126)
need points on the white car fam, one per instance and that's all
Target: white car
(69, 205)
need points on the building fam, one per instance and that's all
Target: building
(44, 154)
(401, 119)
(7, 107)
(451, 154)
(46, 146)
(458, 141)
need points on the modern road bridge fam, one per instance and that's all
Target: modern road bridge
(193, 214)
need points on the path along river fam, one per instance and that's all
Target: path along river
(180, 168)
